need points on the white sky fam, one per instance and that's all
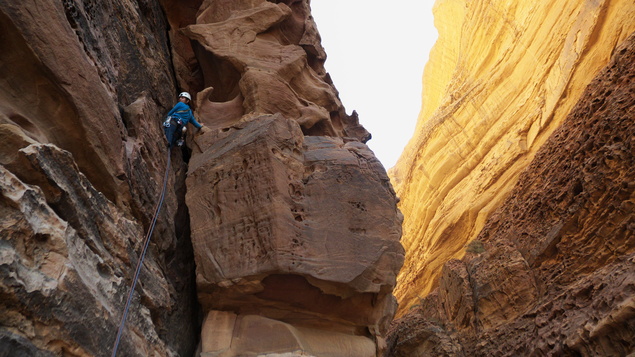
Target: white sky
(376, 53)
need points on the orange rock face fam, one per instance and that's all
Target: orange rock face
(501, 79)
(552, 272)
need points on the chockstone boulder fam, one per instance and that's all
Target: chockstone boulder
(302, 231)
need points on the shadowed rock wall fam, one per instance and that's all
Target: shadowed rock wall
(83, 87)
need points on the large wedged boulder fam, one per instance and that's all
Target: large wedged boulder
(292, 217)
(302, 230)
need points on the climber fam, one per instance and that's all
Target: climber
(175, 124)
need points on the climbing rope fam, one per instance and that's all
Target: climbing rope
(143, 254)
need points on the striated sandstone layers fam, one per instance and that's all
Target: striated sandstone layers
(501, 78)
(294, 221)
(553, 270)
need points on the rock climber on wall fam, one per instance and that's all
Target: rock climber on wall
(175, 124)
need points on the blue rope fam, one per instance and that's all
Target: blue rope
(143, 254)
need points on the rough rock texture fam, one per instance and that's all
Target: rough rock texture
(501, 78)
(294, 220)
(553, 270)
(303, 230)
(261, 57)
(82, 159)
(65, 247)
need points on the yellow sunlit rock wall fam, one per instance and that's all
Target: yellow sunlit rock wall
(501, 78)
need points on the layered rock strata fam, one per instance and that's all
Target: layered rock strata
(501, 78)
(553, 270)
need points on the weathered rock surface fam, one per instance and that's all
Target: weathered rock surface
(303, 230)
(294, 221)
(63, 277)
(82, 159)
(553, 270)
(263, 57)
(501, 78)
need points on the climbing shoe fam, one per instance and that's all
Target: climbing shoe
(180, 142)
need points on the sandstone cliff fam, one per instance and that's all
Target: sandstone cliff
(552, 273)
(82, 162)
(280, 232)
(501, 79)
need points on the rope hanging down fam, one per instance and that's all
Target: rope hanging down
(143, 254)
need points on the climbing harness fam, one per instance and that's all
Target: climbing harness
(180, 136)
(143, 253)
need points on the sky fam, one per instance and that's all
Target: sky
(376, 52)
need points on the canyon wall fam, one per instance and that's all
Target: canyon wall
(83, 158)
(501, 79)
(552, 273)
(279, 233)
